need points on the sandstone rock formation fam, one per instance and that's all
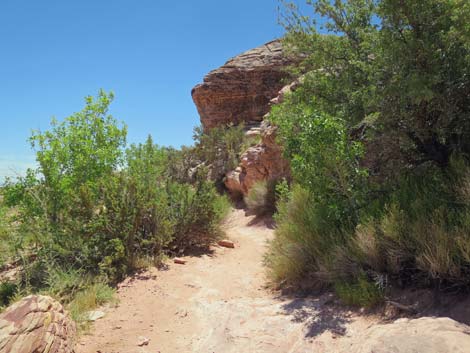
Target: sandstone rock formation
(36, 324)
(263, 161)
(240, 90)
(430, 335)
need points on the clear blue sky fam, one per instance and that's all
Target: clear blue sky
(149, 52)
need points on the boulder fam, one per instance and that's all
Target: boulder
(226, 243)
(427, 334)
(36, 324)
(179, 261)
(240, 90)
(263, 161)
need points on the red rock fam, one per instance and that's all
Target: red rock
(36, 324)
(226, 243)
(263, 161)
(240, 90)
(179, 261)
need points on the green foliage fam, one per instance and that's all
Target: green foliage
(220, 148)
(323, 159)
(87, 300)
(393, 70)
(78, 152)
(423, 232)
(94, 212)
(362, 292)
(378, 138)
(7, 292)
(197, 212)
(304, 243)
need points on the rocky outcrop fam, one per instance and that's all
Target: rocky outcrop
(240, 90)
(36, 324)
(263, 161)
(430, 335)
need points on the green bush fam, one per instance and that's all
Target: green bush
(421, 236)
(424, 230)
(197, 212)
(7, 292)
(94, 211)
(220, 148)
(378, 139)
(304, 242)
(361, 292)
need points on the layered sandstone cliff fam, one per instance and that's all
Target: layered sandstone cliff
(243, 91)
(240, 90)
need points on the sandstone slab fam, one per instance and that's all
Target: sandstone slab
(427, 334)
(36, 324)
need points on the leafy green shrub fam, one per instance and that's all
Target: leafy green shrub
(377, 136)
(63, 283)
(323, 159)
(423, 231)
(421, 237)
(94, 211)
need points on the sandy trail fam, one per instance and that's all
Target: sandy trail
(218, 303)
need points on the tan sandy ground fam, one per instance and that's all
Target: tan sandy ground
(218, 303)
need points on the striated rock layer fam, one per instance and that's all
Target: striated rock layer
(263, 161)
(240, 90)
(36, 324)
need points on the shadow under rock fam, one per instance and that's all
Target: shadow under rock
(318, 315)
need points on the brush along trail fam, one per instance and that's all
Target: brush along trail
(218, 302)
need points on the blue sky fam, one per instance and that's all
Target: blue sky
(149, 52)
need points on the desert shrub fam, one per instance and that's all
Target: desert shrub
(87, 300)
(182, 164)
(304, 243)
(377, 136)
(261, 198)
(94, 211)
(197, 212)
(220, 148)
(323, 159)
(423, 232)
(5, 248)
(420, 237)
(63, 282)
(361, 292)
(7, 292)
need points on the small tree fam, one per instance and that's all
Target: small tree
(79, 151)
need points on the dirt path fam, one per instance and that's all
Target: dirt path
(218, 303)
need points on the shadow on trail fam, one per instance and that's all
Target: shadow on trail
(262, 221)
(318, 315)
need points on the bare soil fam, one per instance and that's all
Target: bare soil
(218, 302)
